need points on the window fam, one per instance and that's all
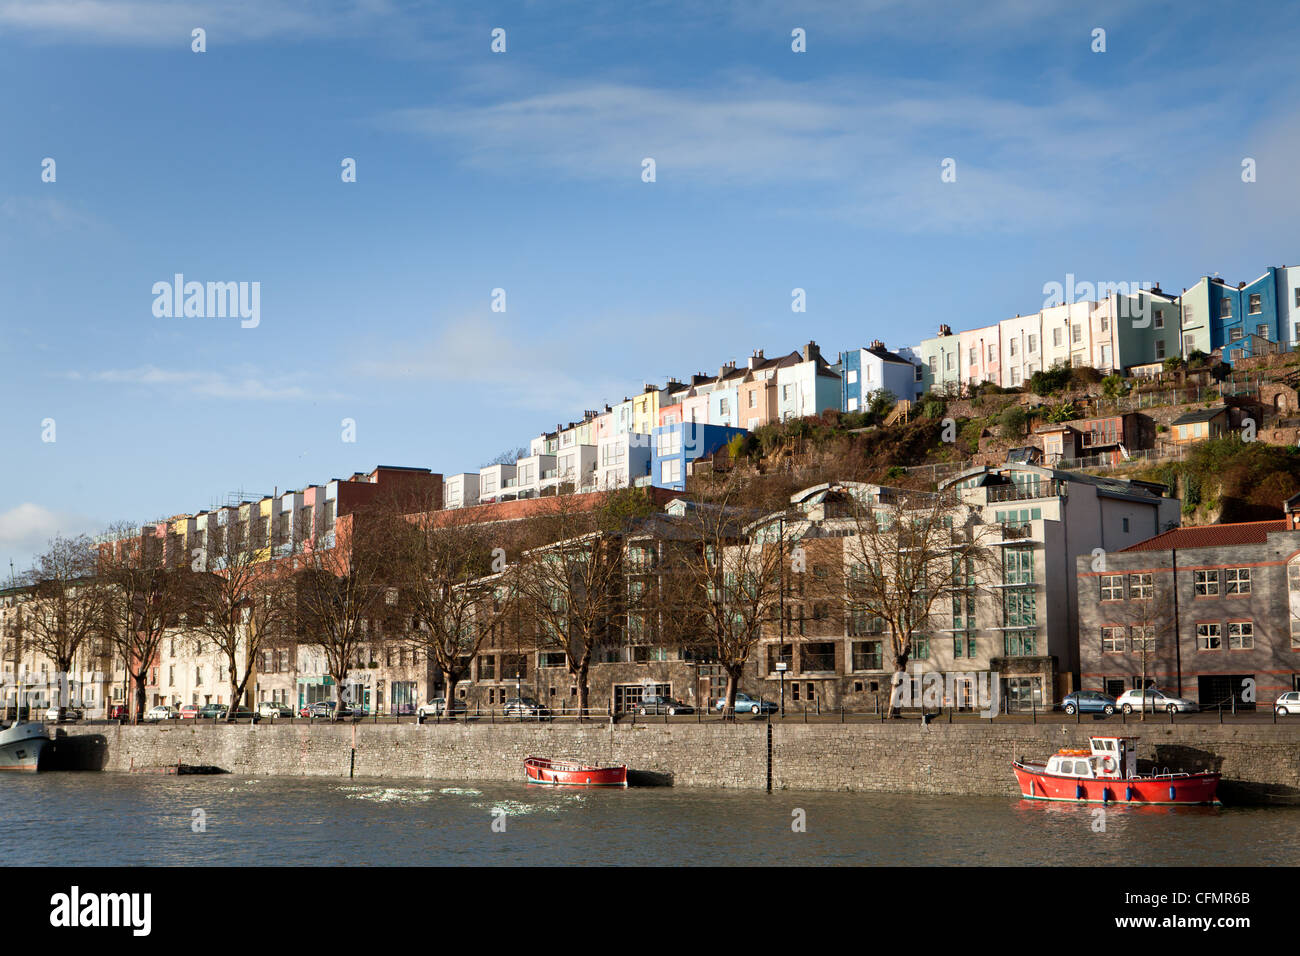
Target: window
(1112, 587)
(1056, 338)
(1225, 307)
(1207, 583)
(1112, 640)
(1241, 635)
(868, 655)
(1105, 323)
(1076, 333)
(1187, 313)
(1160, 318)
(993, 349)
(852, 380)
(753, 395)
(1234, 334)
(669, 442)
(947, 362)
(817, 657)
(1033, 344)
(1018, 565)
(1261, 331)
(1238, 581)
(1160, 349)
(1293, 577)
(972, 360)
(1014, 347)
(1256, 303)
(1140, 587)
(1020, 608)
(852, 405)
(1295, 634)
(1015, 376)
(724, 406)
(1207, 637)
(1189, 344)
(921, 647)
(933, 367)
(1144, 639)
(670, 471)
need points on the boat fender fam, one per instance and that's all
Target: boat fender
(1128, 793)
(1078, 791)
(1171, 791)
(1105, 794)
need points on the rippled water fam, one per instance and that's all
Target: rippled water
(113, 819)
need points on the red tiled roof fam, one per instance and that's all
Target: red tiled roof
(1211, 536)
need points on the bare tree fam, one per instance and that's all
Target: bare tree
(574, 588)
(507, 457)
(241, 598)
(67, 609)
(143, 598)
(907, 554)
(446, 568)
(731, 569)
(345, 593)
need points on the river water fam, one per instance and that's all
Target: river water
(118, 819)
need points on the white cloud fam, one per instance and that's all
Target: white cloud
(26, 529)
(246, 383)
(162, 22)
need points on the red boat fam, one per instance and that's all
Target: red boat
(1107, 773)
(572, 773)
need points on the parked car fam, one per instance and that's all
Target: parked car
(212, 712)
(1288, 703)
(663, 705)
(273, 711)
(438, 708)
(188, 711)
(1089, 702)
(118, 712)
(748, 705)
(69, 713)
(324, 709)
(522, 707)
(161, 712)
(1156, 700)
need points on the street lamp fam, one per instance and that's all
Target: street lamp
(780, 669)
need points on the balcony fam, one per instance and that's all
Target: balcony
(1049, 488)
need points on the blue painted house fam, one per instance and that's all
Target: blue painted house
(675, 446)
(874, 369)
(1240, 320)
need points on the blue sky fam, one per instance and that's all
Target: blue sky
(522, 171)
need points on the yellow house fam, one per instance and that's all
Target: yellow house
(645, 409)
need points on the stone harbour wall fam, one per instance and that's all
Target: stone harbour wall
(1259, 762)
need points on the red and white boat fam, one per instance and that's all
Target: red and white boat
(1107, 773)
(573, 773)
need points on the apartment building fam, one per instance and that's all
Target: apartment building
(865, 371)
(677, 447)
(1212, 613)
(808, 387)
(460, 491)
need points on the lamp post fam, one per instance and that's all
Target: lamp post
(780, 669)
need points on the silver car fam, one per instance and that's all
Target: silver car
(1156, 700)
(1288, 703)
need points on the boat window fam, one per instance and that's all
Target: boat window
(1067, 766)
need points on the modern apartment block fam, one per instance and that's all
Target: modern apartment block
(1211, 613)
(460, 491)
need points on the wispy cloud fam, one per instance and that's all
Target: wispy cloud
(156, 22)
(45, 216)
(244, 384)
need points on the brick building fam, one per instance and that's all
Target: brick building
(1207, 613)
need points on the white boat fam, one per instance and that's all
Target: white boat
(21, 745)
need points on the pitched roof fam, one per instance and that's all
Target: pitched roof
(1200, 415)
(1212, 536)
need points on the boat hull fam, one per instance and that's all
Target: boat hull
(1170, 789)
(571, 774)
(21, 746)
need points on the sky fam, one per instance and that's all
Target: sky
(522, 171)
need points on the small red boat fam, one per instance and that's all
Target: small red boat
(1107, 773)
(572, 773)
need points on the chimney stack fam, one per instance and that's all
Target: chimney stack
(811, 353)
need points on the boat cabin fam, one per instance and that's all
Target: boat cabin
(1106, 758)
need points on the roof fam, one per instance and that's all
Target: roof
(1200, 415)
(888, 356)
(1212, 536)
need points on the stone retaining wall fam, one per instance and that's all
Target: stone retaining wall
(1259, 762)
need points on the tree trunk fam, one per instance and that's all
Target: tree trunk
(139, 696)
(896, 685)
(583, 690)
(733, 684)
(65, 669)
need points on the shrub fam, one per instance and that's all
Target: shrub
(1050, 381)
(1113, 386)
(1012, 421)
(933, 406)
